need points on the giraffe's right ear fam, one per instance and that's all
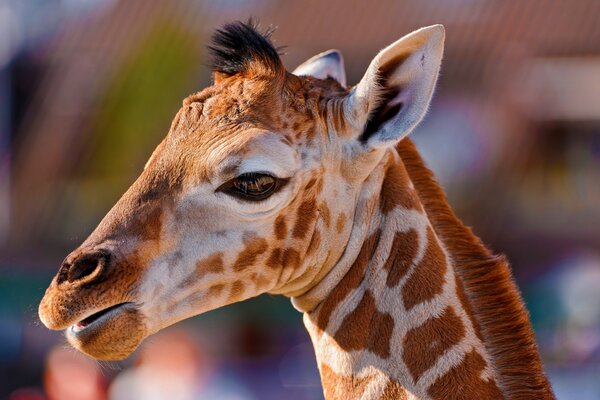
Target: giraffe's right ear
(329, 64)
(394, 94)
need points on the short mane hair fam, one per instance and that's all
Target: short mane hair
(237, 45)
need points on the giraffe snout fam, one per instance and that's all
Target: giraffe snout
(83, 268)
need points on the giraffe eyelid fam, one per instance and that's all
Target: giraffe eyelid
(235, 186)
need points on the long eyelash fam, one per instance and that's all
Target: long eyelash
(248, 186)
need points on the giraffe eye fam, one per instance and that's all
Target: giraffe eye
(253, 186)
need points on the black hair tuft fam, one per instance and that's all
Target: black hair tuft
(238, 43)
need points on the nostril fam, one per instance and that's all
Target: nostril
(82, 267)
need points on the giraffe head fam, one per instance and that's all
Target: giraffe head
(253, 190)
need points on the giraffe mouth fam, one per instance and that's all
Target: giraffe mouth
(98, 317)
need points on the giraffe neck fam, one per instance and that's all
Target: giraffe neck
(400, 323)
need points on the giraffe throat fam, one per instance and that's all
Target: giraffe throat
(398, 324)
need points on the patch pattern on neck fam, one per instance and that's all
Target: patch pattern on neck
(398, 324)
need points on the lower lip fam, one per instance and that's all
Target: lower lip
(79, 328)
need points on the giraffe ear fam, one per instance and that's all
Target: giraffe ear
(394, 94)
(329, 64)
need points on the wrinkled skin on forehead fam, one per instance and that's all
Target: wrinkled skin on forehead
(179, 247)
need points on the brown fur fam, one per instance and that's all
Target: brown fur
(254, 248)
(424, 344)
(280, 227)
(212, 264)
(236, 291)
(307, 213)
(464, 382)
(366, 328)
(393, 190)
(487, 280)
(215, 290)
(427, 280)
(404, 249)
(348, 283)
(394, 391)
(337, 386)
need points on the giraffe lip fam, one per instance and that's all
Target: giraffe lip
(97, 317)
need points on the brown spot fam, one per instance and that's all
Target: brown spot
(349, 282)
(466, 305)
(212, 264)
(379, 339)
(296, 126)
(325, 213)
(280, 227)
(464, 381)
(394, 391)
(336, 386)
(215, 290)
(404, 250)
(423, 345)
(366, 328)
(340, 223)
(254, 248)
(304, 218)
(237, 289)
(395, 190)
(148, 227)
(287, 258)
(274, 260)
(427, 279)
(290, 258)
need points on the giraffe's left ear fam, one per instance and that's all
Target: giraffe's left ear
(394, 94)
(329, 64)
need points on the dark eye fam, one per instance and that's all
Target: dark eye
(253, 186)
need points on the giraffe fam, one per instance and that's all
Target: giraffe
(295, 184)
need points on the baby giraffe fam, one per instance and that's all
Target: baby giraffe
(295, 184)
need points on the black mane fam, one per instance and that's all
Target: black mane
(237, 44)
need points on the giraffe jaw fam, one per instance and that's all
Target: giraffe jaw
(110, 334)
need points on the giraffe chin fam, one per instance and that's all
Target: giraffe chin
(113, 336)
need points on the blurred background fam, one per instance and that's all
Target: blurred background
(89, 87)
